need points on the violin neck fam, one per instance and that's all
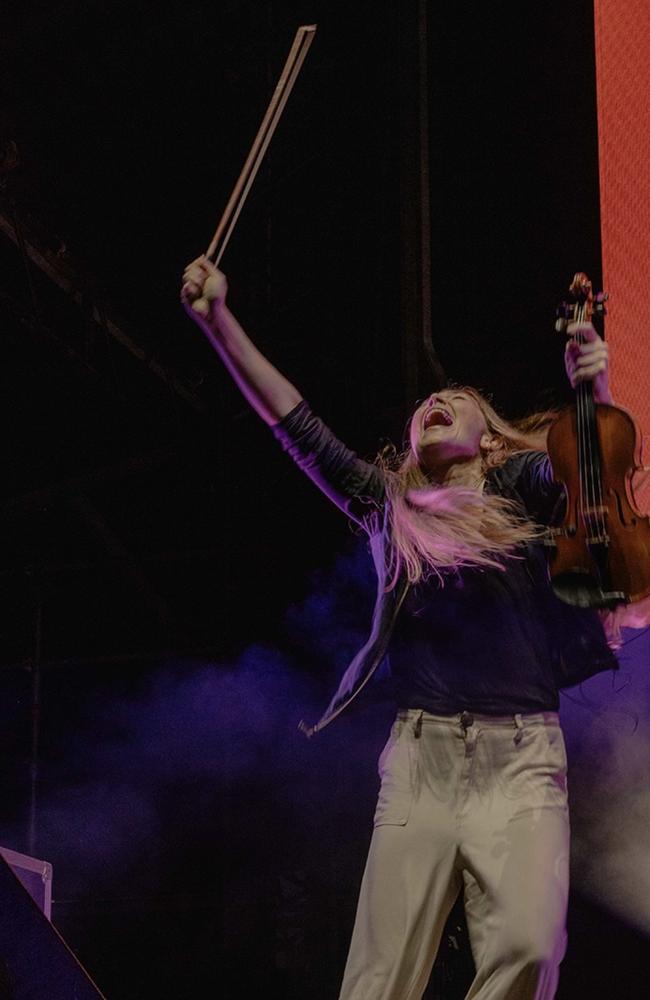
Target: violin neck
(588, 446)
(585, 398)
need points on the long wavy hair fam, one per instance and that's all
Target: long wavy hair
(434, 528)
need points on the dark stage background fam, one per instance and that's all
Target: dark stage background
(175, 597)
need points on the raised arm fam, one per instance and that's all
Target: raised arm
(203, 294)
(357, 487)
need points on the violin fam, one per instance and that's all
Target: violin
(601, 553)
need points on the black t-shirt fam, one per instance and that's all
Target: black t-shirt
(485, 641)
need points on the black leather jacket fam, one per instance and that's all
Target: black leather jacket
(357, 487)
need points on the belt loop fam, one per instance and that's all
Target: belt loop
(417, 725)
(519, 725)
(466, 720)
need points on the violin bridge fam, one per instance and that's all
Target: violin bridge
(566, 531)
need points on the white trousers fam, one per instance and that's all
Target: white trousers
(476, 803)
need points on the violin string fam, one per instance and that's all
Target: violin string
(588, 441)
(600, 506)
(582, 443)
(596, 514)
(593, 463)
(593, 516)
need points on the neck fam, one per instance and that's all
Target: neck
(468, 473)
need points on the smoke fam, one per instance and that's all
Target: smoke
(206, 756)
(607, 726)
(146, 769)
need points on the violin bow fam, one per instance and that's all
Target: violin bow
(299, 49)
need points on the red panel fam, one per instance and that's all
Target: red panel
(623, 81)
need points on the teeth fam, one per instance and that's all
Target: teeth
(436, 409)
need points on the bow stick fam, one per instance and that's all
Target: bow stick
(302, 41)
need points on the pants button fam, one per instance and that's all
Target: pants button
(466, 720)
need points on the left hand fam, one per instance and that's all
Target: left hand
(589, 361)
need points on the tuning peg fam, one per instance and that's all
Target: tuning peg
(599, 303)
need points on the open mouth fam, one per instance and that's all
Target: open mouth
(436, 417)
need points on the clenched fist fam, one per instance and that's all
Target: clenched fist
(204, 289)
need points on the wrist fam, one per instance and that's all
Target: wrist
(215, 321)
(603, 395)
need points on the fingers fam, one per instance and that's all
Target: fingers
(586, 373)
(584, 362)
(194, 277)
(584, 329)
(201, 307)
(595, 349)
(204, 287)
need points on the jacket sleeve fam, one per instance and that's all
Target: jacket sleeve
(357, 487)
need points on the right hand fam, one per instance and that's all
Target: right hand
(204, 289)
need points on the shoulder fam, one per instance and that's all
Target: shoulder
(528, 477)
(522, 470)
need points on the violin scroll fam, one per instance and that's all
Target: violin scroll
(584, 306)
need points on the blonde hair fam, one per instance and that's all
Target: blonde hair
(434, 529)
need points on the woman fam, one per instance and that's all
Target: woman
(473, 791)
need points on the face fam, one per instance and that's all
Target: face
(448, 427)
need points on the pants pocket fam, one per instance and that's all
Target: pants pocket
(535, 770)
(398, 773)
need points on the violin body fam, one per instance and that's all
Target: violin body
(601, 554)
